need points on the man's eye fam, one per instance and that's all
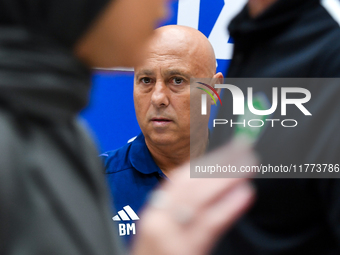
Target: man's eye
(146, 80)
(177, 80)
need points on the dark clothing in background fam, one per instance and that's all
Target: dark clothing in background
(293, 38)
(52, 194)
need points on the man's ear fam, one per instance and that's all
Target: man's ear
(218, 79)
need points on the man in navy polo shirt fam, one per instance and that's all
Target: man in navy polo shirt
(162, 94)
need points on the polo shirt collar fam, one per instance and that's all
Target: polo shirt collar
(140, 157)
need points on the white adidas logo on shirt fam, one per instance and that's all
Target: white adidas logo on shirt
(127, 214)
(124, 214)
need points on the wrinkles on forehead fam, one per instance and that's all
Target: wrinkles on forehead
(181, 47)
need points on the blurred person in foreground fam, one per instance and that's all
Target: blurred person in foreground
(163, 99)
(52, 194)
(283, 39)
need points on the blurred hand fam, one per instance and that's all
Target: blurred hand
(188, 215)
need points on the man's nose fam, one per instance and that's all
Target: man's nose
(160, 95)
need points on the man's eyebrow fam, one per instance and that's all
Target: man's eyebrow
(144, 72)
(176, 72)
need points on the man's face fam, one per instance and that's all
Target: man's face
(162, 95)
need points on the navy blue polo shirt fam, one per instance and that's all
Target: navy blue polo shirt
(132, 174)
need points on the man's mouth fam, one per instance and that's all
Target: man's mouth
(161, 122)
(160, 119)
